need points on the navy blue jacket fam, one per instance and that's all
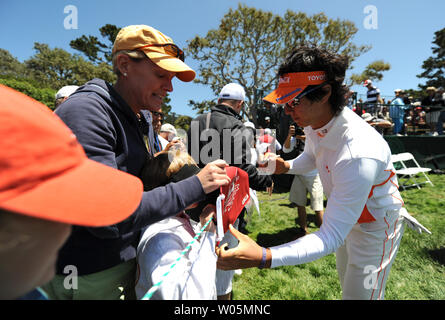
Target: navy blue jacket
(110, 133)
(224, 118)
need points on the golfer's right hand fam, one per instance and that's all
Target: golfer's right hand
(213, 176)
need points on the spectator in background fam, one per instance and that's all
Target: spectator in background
(47, 184)
(431, 114)
(379, 124)
(397, 111)
(384, 114)
(440, 98)
(253, 152)
(168, 139)
(350, 99)
(304, 183)
(63, 94)
(372, 97)
(158, 117)
(222, 121)
(267, 116)
(167, 133)
(267, 122)
(267, 143)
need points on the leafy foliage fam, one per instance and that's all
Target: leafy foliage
(95, 50)
(44, 95)
(373, 71)
(434, 67)
(250, 43)
(56, 68)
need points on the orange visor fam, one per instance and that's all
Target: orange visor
(290, 85)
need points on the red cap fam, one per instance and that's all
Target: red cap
(236, 195)
(44, 172)
(291, 85)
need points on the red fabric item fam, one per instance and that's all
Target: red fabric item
(236, 195)
(266, 139)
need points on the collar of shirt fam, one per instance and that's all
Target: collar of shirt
(333, 131)
(323, 131)
(186, 220)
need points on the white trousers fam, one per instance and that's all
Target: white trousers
(366, 257)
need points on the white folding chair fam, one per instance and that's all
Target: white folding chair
(409, 172)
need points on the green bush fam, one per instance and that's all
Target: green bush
(44, 95)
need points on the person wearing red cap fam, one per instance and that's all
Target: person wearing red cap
(373, 97)
(365, 216)
(47, 184)
(114, 126)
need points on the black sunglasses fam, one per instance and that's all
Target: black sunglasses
(169, 48)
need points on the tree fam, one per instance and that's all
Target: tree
(96, 51)
(373, 71)
(434, 66)
(183, 122)
(201, 106)
(10, 66)
(249, 45)
(56, 68)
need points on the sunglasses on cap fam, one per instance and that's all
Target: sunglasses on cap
(297, 100)
(169, 48)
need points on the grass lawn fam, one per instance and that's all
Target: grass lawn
(417, 273)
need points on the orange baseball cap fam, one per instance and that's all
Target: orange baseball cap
(290, 85)
(44, 172)
(157, 47)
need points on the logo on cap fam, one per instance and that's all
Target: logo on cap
(317, 77)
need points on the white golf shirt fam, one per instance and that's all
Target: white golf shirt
(354, 163)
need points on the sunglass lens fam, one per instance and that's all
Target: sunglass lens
(175, 51)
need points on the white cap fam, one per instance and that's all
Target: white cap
(232, 91)
(267, 131)
(66, 91)
(249, 124)
(167, 127)
(367, 117)
(367, 82)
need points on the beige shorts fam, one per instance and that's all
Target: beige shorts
(301, 185)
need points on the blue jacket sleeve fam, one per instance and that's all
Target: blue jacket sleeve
(111, 138)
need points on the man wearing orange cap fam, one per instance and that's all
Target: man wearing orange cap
(47, 184)
(364, 218)
(114, 126)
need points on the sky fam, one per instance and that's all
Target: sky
(400, 33)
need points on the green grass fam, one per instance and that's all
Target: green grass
(418, 272)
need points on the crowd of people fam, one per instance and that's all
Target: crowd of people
(102, 185)
(406, 114)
